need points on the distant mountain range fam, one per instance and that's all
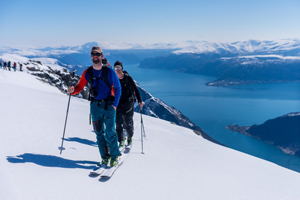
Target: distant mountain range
(282, 132)
(237, 63)
(245, 62)
(78, 57)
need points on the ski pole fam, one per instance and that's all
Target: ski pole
(142, 130)
(62, 142)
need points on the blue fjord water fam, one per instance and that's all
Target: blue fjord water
(213, 108)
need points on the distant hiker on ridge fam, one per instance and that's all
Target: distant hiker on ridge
(4, 65)
(15, 66)
(8, 65)
(125, 109)
(105, 92)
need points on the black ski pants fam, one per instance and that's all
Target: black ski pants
(124, 119)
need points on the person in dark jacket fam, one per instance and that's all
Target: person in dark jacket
(125, 109)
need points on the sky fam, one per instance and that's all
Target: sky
(66, 22)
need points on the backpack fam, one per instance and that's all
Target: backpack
(93, 91)
(130, 91)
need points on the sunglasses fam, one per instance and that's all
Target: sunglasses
(118, 67)
(96, 54)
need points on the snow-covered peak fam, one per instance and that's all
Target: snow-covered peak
(248, 47)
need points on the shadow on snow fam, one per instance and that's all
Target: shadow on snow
(82, 141)
(51, 161)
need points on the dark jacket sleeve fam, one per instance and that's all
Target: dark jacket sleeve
(136, 90)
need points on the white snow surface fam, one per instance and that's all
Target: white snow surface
(177, 163)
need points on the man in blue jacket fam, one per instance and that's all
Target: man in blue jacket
(105, 93)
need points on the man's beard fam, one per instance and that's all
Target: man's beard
(96, 60)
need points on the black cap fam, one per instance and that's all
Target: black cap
(118, 63)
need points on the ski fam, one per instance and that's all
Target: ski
(121, 149)
(127, 148)
(108, 172)
(98, 170)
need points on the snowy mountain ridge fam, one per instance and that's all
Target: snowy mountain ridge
(48, 70)
(44, 63)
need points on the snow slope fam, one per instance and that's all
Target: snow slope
(177, 163)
